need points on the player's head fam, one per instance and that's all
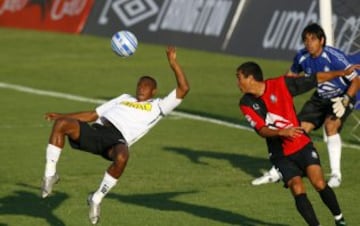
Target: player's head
(316, 30)
(246, 74)
(314, 38)
(250, 69)
(146, 88)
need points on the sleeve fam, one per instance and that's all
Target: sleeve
(169, 103)
(300, 84)
(253, 113)
(355, 59)
(340, 61)
(296, 66)
(352, 75)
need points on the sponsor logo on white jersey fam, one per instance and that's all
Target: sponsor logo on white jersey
(146, 106)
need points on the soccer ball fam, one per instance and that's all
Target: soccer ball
(124, 43)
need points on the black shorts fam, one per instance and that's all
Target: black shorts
(97, 139)
(317, 109)
(296, 164)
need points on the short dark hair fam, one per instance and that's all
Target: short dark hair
(251, 68)
(316, 30)
(147, 77)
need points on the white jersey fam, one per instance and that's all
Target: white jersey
(133, 118)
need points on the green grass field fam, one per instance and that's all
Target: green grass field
(184, 172)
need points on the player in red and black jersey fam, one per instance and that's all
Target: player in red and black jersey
(269, 108)
(331, 103)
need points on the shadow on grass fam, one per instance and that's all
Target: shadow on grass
(249, 164)
(27, 203)
(165, 202)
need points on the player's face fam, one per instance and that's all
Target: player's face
(243, 82)
(313, 44)
(145, 89)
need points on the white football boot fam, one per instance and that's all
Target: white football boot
(271, 176)
(94, 212)
(47, 185)
(334, 181)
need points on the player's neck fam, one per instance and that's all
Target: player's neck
(259, 89)
(317, 53)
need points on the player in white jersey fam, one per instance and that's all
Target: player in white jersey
(331, 103)
(118, 123)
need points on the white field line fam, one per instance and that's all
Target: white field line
(25, 89)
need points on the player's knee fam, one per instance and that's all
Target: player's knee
(332, 126)
(296, 186)
(122, 156)
(319, 185)
(331, 129)
(60, 124)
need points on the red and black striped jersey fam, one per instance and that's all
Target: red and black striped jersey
(275, 110)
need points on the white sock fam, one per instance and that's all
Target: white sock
(107, 183)
(338, 217)
(52, 157)
(334, 150)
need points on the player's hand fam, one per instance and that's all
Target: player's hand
(171, 54)
(340, 104)
(351, 69)
(52, 116)
(291, 132)
(292, 74)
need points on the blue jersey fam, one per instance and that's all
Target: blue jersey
(354, 58)
(330, 59)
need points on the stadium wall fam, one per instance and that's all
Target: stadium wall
(255, 28)
(50, 15)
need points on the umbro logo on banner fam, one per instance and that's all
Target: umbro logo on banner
(130, 12)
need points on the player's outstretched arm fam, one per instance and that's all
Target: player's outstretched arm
(354, 87)
(328, 75)
(182, 84)
(291, 132)
(86, 116)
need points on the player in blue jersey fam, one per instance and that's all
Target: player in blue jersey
(331, 103)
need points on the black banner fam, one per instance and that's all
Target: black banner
(261, 28)
(195, 24)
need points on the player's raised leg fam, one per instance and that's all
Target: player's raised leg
(120, 156)
(50, 176)
(61, 128)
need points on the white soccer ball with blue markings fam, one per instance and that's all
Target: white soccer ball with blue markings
(124, 43)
